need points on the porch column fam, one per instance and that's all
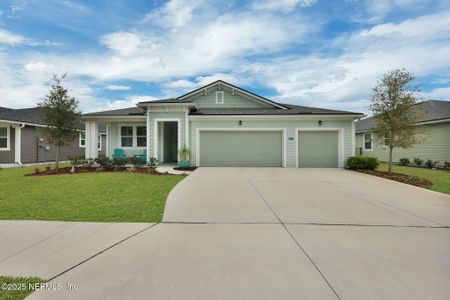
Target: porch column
(18, 144)
(91, 133)
(148, 135)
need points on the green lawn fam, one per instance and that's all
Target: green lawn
(102, 197)
(17, 288)
(440, 178)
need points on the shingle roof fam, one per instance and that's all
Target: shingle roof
(292, 110)
(130, 111)
(169, 100)
(32, 115)
(434, 110)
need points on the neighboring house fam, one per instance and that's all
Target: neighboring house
(225, 125)
(433, 129)
(21, 125)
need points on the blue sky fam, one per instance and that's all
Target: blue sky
(308, 52)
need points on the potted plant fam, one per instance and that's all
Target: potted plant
(184, 157)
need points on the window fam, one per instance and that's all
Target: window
(368, 142)
(82, 140)
(99, 142)
(141, 136)
(4, 138)
(126, 136)
(386, 140)
(219, 97)
(82, 143)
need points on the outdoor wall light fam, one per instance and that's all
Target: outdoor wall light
(320, 122)
(240, 122)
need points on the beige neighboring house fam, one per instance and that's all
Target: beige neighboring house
(434, 130)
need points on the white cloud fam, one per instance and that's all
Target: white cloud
(282, 5)
(114, 87)
(129, 101)
(174, 14)
(9, 38)
(437, 94)
(378, 9)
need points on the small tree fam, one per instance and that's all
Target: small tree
(392, 104)
(61, 116)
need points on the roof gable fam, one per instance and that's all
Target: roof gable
(237, 97)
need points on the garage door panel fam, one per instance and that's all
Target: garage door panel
(241, 148)
(318, 149)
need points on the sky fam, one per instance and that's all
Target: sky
(322, 53)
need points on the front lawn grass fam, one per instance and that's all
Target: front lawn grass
(100, 197)
(17, 288)
(440, 178)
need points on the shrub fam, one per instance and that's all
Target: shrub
(37, 170)
(77, 160)
(362, 163)
(430, 164)
(446, 165)
(153, 162)
(119, 161)
(48, 168)
(403, 161)
(136, 161)
(104, 162)
(418, 161)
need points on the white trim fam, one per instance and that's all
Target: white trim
(186, 127)
(371, 141)
(283, 139)
(353, 139)
(107, 140)
(155, 131)
(93, 118)
(8, 138)
(99, 138)
(217, 98)
(271, 117)
(340, 141)
(148, 135)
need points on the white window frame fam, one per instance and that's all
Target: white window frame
(371, 141)
(222, 97)
(80, 139)
(141, 136)
(99, 141)
(134, 143)
(8, 139)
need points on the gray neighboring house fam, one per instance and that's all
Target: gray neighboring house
(434, 129)
(227, 126)
(21, 125)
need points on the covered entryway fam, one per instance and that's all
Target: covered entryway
(241, 148)
(167, 147)
(318, 149)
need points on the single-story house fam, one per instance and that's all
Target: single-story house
(433, 130)
(21, 125)
(225, 125)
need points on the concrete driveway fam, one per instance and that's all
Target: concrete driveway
(247, 233)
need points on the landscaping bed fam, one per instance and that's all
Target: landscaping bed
(404, 178)
(185, 169)
(77, 170)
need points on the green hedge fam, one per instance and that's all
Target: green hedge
(362, 163)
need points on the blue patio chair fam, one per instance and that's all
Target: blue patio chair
(143, 156)
(119, 153)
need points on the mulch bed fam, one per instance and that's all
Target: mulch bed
(408, 179)
(78, 170)
(185, 169)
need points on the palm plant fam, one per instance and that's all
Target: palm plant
(184, 154)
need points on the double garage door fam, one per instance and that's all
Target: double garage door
(265, 149)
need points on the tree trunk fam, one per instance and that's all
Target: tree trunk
(390, 159)
(57, 157)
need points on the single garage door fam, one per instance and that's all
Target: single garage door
(318, 149)
(241, 148)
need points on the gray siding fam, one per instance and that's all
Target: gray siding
(435, 146)
(7, 157)
(32, 153)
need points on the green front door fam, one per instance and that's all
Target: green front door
(241, 148)
(318, 149)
